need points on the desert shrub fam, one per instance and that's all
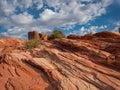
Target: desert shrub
(56, 34)
(33, 43)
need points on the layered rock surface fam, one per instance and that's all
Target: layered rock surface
(63, 64)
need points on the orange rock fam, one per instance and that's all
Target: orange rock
(90, 63)
(73, 37)
(16, 75)
(45, 36)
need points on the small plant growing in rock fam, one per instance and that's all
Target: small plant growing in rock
(56, 34)
(46, 56)
(30, 44)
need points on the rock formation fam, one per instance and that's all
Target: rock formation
(33, 35)
(36, 35)
(44, 36)
(62, 64)
(73, 37)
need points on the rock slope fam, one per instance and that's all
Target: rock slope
(90, 62)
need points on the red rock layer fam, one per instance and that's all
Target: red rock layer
(62, 64)
(15, 73)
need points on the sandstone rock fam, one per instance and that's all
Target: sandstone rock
(40, 35)
(14, 71)
(33, 35)
(107, 34)
(85, 67)
(87, 37)
(11, 44)
(90, 63)
(36, 35)
(45, 36)
(73, 37)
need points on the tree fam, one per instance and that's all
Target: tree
(57, 34)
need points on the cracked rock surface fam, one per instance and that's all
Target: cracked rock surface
(90, 62)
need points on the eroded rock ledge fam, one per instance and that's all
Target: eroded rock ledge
(62, 64)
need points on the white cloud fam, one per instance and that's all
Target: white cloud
(39, 3)
(106, 3)
(23, 18)
(117, 26)
(103, 27)
(47, 14)
(9, 6)
(87, 0)
(71, 13)
(92, 29)
(82, 31)
(67, 13)
(115, 29)
(14, 32)
(77, 12)
(68, 27)
(6, 8)
(118, 23)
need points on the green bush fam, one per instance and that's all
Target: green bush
(56, 34)
(33, 43)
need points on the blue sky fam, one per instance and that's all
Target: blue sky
(17, 17)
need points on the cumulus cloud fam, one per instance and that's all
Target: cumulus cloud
(6, 7)
(47, 14)
(83, 31)
(92, 29)
(23, 18)
(105, 3)
(64, 13)
(117, 26)
(77, 12)
(14, 32)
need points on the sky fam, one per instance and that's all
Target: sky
(18, 17)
